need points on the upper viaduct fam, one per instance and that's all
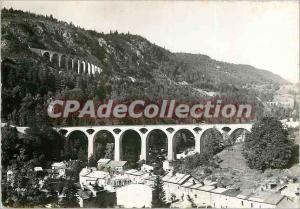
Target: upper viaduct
(68, 61)
(144, 132)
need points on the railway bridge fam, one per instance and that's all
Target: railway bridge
(69, 62)
(144, 132)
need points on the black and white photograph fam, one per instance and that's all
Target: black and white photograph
(149, 104)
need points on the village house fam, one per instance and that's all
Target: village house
(270, 185)
(173, 185)
(166, 166)
(213, 196)
(147, 168)
(118, 166)
(185, 154)
(58, 170)
(291, 190)
(149, 181)
(102, 162)
(137, 177)
(184, 187)
(38, 169)
(232, 198)
(119, 180)
(94, 177)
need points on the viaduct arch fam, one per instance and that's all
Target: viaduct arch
(144, 132)
(69, 62)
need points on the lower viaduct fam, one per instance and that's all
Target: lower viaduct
(67, 61)
(144, 132)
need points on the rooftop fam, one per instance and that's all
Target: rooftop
(119, 177)
(261, 196)
(86, 170)
(195, 186)
(97, 174)
(114, 164)
(219, 190)
(84, 194)
(38, 169)
(103, 160)
(177, 178)
(151, 178)
(145, 166)
(245, 194)
(267, 197)
(188, 184)
(274, 198)
(59, 165)
(232, 192)
(207, 188)
(291, 187)
(135, 172)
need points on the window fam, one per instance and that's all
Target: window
(251, 205)
(242, 203)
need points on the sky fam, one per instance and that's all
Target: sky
(262, 34)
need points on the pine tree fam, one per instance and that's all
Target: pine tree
(70, 200)
(158, 194)
(267, 146)
(60, 83)
(9, 142)
(92, 161)
(109, 151)
(211, 141)
(82, 156)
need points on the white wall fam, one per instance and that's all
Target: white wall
(134, 195)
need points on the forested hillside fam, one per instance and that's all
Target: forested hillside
(221, 72)
(132, 67)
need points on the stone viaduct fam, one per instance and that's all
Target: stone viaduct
(69, 62)
(144, 132)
